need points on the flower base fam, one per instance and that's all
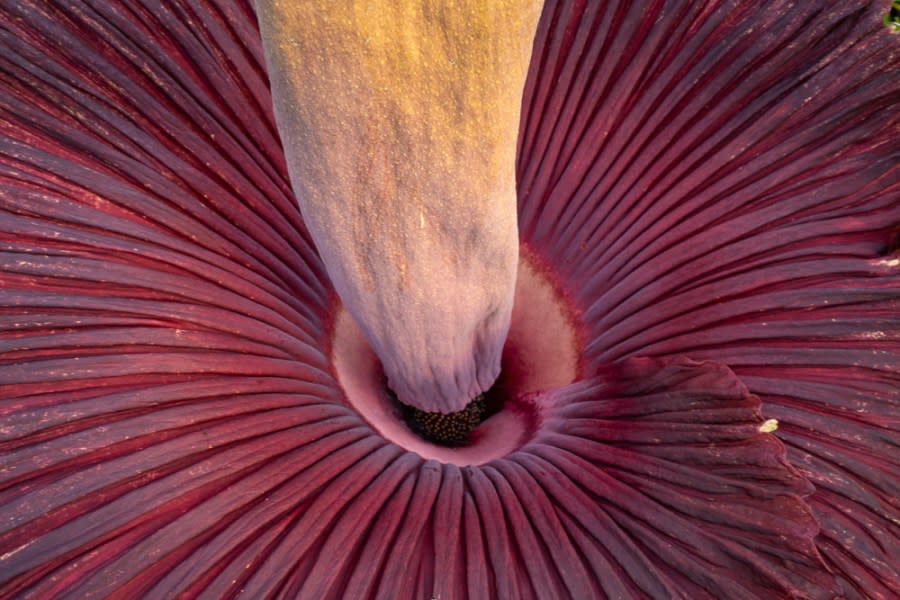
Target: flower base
(541, 352)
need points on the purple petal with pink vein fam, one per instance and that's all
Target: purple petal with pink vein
(707, 179)
(723, 180)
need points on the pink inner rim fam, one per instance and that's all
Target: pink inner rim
(541, 352)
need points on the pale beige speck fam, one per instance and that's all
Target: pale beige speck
(769, 426)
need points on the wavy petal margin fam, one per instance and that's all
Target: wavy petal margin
(722, 180)
(651, 479)
(707, 178)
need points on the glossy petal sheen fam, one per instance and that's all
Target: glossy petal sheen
(706, 179)
(724, 181)
(652, 478)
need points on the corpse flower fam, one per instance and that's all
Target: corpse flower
(699, 387)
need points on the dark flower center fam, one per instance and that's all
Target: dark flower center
(451, 429)
(541, 352)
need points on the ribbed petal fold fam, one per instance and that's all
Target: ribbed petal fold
(722, 180)
(652, 478)
(716, 180)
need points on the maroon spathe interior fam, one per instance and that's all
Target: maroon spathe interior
(712, 190)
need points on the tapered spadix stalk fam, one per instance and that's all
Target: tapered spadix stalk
(399, 121)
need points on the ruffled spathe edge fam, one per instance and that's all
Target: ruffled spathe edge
(167, 391)
(720, 181)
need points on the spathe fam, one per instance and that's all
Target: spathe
(712, 180)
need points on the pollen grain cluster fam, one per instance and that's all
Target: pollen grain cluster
(451, 429)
